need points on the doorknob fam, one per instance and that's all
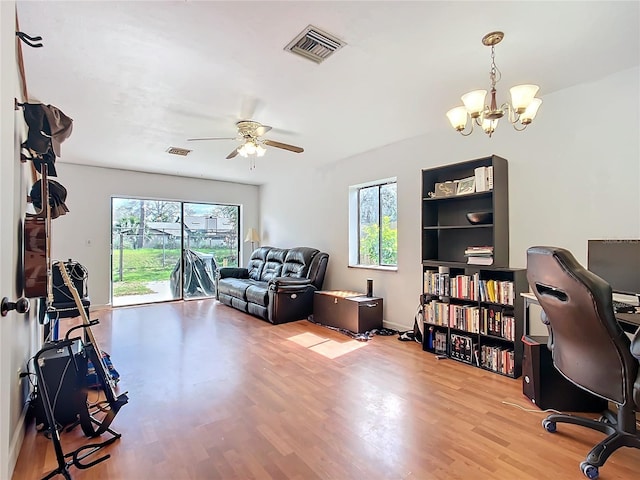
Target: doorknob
(21, 306)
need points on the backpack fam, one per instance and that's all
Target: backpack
(417, 333)
(418, 325)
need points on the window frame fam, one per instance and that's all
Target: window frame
(354, 224)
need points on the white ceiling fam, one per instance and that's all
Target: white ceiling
(138, 77)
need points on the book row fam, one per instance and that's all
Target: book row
(464, 349)
(497, 359)
(496, 291)
(470, 318)
(468, 287)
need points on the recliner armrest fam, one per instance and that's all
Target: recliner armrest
(289, 284)
(233, 272)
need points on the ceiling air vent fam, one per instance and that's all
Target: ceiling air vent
(178, 151)
(314, 44)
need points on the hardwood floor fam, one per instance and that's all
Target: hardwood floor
(216, 394)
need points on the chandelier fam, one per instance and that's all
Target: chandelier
(520, 112)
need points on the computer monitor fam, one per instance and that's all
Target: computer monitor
(617, 262)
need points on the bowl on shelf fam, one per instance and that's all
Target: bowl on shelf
(480, 218)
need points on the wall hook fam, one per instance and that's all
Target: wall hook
(28, 40)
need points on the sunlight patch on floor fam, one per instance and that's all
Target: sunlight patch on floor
(307, 339)
(325, 347)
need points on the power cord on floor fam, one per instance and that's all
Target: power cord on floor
(548, 410)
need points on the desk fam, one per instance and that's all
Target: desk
(543, 384)
(628, 321)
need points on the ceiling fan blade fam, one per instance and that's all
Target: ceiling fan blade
(211, 138)
(232, 154)
(262, 129)
(249, 105)
(284, 146)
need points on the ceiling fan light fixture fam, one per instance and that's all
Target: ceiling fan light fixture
(253, 145)
(250, 147)
(242, 150)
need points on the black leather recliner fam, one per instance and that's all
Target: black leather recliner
(588, 347)
(277, 285)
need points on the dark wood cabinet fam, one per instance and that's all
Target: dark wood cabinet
(351, 311)
(446, 232)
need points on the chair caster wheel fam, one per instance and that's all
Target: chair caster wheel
(549, 426)
(589, 471)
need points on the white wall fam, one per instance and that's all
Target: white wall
(18, 333)
(574, 175)
(84, 234)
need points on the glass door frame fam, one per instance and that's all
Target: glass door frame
(176, 280)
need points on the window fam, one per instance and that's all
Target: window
(374, 224)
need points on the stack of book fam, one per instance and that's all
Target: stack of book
(479, 255)
(484, 178)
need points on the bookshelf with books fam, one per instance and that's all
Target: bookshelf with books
(475, 315)
(465, 212)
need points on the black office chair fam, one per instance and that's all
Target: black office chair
(588, 347)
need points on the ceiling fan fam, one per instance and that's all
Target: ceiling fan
(250, 134)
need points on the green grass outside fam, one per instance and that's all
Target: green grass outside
(145, 264)
(130, 288)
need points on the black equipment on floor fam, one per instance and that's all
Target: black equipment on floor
(61, 367)
(545, 386)
(61, 372)
(63, 304)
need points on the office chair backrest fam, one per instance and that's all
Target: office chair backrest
(588, 345)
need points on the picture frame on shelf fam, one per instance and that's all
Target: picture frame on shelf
(446, 189)
(466, 186)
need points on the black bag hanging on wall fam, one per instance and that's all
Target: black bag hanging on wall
(79, 276)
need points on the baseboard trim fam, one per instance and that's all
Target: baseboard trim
(395, 326)
(95, 308)
(16, 440)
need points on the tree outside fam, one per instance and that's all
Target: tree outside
(378, 230)
(148, 237)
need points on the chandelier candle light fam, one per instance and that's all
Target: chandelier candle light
(522, 109)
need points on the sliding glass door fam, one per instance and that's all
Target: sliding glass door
(210, 241)
(165, 250)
